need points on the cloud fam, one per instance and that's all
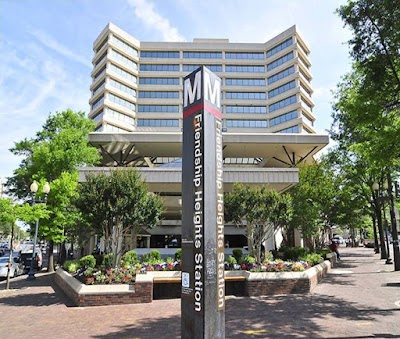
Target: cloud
(54, 45)
(145, 11)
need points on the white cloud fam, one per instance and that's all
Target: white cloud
(145, 11)
(54, 45)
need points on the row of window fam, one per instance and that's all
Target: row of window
(159, 94)
(246, 95)
(246, 109)
(118, 100)
(278, 90)
(159, 81)
(99, 87)
(124, 46)
(282, 103)
(159, 54)
(99, 73)
(98, 102)
(120, 116)
(244, 55)
(158, 108)
(124, 59)
(283, 118)
(294, 129)
(280, 61)
(123, 87)
(123, 73)
(212, 68)
(280, 47)
(101, 59)
(159, 68)
(244, 82)
(246, 123)
(158, 122)
(202, 55)
(280, 75)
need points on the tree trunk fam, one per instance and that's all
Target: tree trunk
(50, 257)
(376, 245)
(381, 234)
(61, 258)
(250, 239)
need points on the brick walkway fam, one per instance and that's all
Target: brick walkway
(360, 298)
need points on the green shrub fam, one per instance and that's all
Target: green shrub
(88, 261)
(231, 260)
(312, 259)
(237, 253)
(154, 256)
(248, 259)
(108, 260)
(294, 253)
(178, 255)
(268, 256)
(130, 258)
(323, 252)
(71, 266)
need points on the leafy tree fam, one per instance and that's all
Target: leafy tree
(262, 211)
(116, 204)
(55, 155)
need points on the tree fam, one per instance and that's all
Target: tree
(262, 210)
(11, 212)
(116, 204)
(55, 155)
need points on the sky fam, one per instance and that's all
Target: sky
(46, 48)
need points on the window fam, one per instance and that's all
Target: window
(279, 47)
(112, 128)
(159, 68)
(246, 123)
(282, 103)
(124, 46)
(309, 105)
(159, 95)
(101, 59)
(158, 108)
(294, 129)
(124, 59)
(244, 82)
(158, 122)
(213, 68)
(283, 118)
(123, 73)
(122, 102)
(278, 76)
(202, 55)
(278, 90)
(246, 95)
(99, 87)
(99, 73)
(159, 81)
(244, 55)
(246, 109)
(122, 87)
(245, 69)
(280, 61)
(98, 102)
(101, 45)
(159, 54)
(120, 116)
(98, 116)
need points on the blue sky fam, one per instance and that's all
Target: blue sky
(46, 48)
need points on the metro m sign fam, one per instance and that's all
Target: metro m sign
(194, 89)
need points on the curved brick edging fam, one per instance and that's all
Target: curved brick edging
(253, 283)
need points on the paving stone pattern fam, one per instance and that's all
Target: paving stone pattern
(359, 298)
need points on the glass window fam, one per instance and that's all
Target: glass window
(101, 59)
(118, 100)
(158, 108)
(246, 123)
(294, 129)
(202, 55)
(122, 87)
(102, 44)
(282, 118)
(123, 73)
(284, 88)
(99, 87)
(191, 68)
(120, 116)
(246, 109)
(158, 122)
(282, 74)
(244, 55)
(246, 95)
(159, 68)
(98, 116)
(159, 94)
(245, 69)
(282, 103)
(124, 46)
(124, 59)
(244, 82)
(159, 54)
(279, 47)
(99, 73)
(98, 102)
(159, 81)
(280, 61)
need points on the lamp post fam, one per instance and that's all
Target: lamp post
(46, 189)
(381, 199)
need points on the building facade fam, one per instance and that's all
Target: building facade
(137, 103)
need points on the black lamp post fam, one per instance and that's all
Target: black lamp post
(46, 190)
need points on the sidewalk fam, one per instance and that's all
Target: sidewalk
(360, 298)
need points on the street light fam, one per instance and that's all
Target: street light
(34, 188)
(381, 199)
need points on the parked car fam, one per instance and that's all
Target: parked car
(338, 239)
(17, 267)
(26, 256)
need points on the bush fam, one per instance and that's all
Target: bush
(237, 254)
(312, 259)
(178, 255)
(154, 256)
(71, 266)
(108, 260)
(88, 261)
(231, 260)
(130, 258)
(294, 253)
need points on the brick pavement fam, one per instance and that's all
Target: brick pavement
(356, 300)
